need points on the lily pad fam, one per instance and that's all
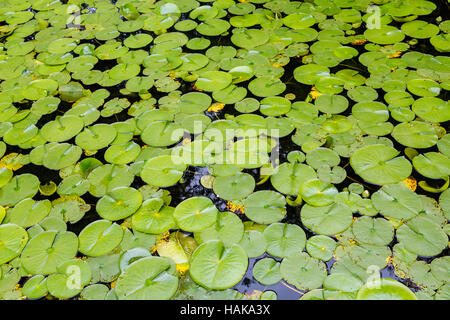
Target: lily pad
(195, 214)
(150, 278)
(47, 250)
(302, 271)
(12, 239)
(99, 238)
(422, 236)
(385, 289)
(119, 203)
(215, 266)
(163, 171)
(327, 220)
(265, 207)
(284, 239)
(267, 271)
(379, 164)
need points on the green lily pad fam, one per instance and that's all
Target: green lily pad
(384, 35)
(385, 289)
(228, 228)
(265, 207)
(13, 239)
(213, 80)
(119, 203)
(327, 220)
(397, 201)
(35, 287)
(150, 278)
(215, 266)
(284, 239)
(290, 176)
(378, 164)
(195, 214)
(254, 243)
(163, 171)
(47, 250)
(376, 231)
(299, 20)
(96, 137)
(153, 217)
(432, 109)
(317, 193)
(432, 165)
(415, 134)
(267, 271)
(422, 236)
(99, 238)
(28, 212)
(321, 247)
(18, 188)
(302, 271)
(266, 86)
(73, 275)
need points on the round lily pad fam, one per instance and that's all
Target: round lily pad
(290, 176)
(397, 201)
(150, 278)
(379, 164)
(234, 187)
(385, 289)
(73, 275)
(284, 239)
(47, 250)
(321, 247)
(377, 231)
(327, 220)
(62, 129)
(384, 35)
(162, 171)
(432, 165)
(29, 212)
(317, 192)
(415, 134)
(100, 237)
(432, 109)
(265, 207)
(215, 266)
(153, 217)
(266, 86)
(267, 271)
(119, 203)
(302, 271)
(213, 80)
(96, 137)
(253, 242)
(35, 287)
(422, 236)
(12, 241)
(18, 188)
(195, 214)
(228, 228)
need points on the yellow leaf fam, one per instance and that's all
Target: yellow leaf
(358, 42)
(12, 161)
(411, 183)
(236, 207)
(314, 93)
(215, 107)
